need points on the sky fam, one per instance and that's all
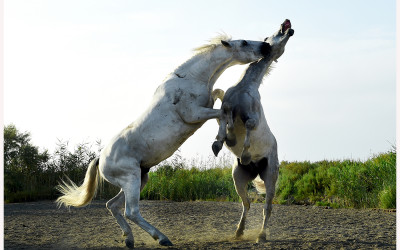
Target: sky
(81, 71)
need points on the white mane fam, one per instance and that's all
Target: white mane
(266, 74)
(213, 43)
(204, 49)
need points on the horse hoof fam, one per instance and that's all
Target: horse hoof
(165, 242)
(129, 244)
(238, 235)
(216, 147)
(261, 239)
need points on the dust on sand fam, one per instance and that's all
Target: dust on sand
(198, 225)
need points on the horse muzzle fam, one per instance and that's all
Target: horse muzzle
(287, 26)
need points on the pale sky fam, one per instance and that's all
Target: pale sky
(83, 70)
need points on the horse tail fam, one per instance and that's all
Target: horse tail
(259, 185)
(80, 196)
(217, 93)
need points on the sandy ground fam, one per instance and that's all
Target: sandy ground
(198, 225)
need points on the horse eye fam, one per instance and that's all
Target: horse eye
(244, 43)
(266, 39)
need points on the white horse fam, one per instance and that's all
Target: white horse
(180, 106)
(249, 136)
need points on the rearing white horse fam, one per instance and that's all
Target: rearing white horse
(180, 106)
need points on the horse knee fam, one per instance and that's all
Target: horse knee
(230, 140)
(112, 207)
(109, 206)
(250, 124)
(245, 158)
(246, 205)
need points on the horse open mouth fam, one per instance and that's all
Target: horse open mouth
(286, 25)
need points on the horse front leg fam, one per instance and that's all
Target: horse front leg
(196, 114)
(217, 145)
(230, 137)
(226, 117)
(245, 158)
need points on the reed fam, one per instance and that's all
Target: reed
(346, 183)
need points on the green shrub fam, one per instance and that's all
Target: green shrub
(387, 197)
(347, 183)
(31, 175)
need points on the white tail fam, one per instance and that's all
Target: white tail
(80, 196)
(259, 185)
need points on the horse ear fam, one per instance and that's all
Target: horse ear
(226, 44)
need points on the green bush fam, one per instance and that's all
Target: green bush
(31, 175)
(387, 197)
(348, 183)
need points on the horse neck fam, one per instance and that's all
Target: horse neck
(207, 66)
(255, 73)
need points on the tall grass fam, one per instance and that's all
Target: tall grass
(181, 184)
(31, 175)
(347, 183)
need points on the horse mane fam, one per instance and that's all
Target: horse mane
(206, 48)
(213, 43)
(265, 75)
(268, 71)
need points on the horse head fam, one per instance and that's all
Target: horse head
(246, 51)
(279, 39)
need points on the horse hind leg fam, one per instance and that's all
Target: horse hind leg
(269, 176)
(240, 178)
(114, 206)
(131, 189)
(245, 158)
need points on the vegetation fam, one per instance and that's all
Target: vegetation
(181, 184)
(348, 183)
(22, 164)
(32, 175)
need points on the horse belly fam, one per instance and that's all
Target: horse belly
(163, 137)
(261, 140)
(240, 132)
